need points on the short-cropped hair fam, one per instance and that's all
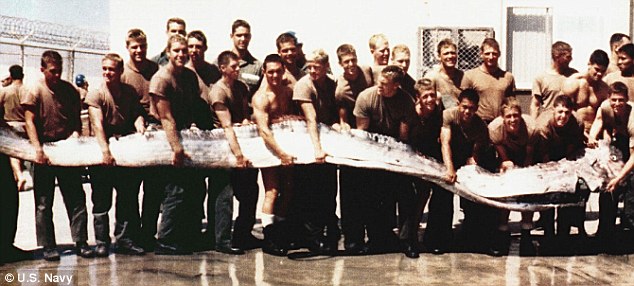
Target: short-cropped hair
(470, 94)
(393, 73)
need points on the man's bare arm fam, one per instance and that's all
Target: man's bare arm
(447, 156)
(164, 108)
(96, 119)
(311, 122)
(629, 166)
(595, 129)
(31, 131)
(224, 116)
(260, 107)
(534, 107)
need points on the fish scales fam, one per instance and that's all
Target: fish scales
(516, 189)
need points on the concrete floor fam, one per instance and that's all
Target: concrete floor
(257, 268)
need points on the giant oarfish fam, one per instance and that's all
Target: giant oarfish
(534, 188)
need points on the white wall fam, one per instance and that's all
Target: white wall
(319, 24)
(585, 24)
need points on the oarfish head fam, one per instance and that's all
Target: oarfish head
(601, 164)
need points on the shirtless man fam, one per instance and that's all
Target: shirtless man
(353, 81)
(492, 83)
(271, 104)
(549, 84)
(229, 99)
(380, 50)
(401, 58)
(616, 41)
(137, 72)
(463, 137)
(316, 184)
(174, 26)
(514, 136)
(614, 121)
(114, 109)
(287, 49)
(386, 109)
(447, 77)
(587, 90)
(625, 74)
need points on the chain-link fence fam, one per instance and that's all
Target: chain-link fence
(468, 41)
(23, 41)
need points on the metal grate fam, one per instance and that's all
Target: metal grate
(468, 41)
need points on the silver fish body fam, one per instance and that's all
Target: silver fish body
(516, 189)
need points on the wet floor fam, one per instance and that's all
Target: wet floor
(586, 267)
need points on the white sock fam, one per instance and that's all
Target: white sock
(267, 219)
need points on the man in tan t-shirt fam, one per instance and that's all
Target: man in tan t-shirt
(401, 58)
(316, 185)
(513, 135)
(207, 73)
(13, 114)
(388, 110)
(114, 109)
(137, 72)
(446, 76)
(549, 84)
(464, 137)
(229, 98)
(492, 83)
(51, 113)
(353, 81)
(380, 50)
(176, 93)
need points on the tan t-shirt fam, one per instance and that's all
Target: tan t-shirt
(547, 86)
(492, 88)
(10, 98)
(235, 98)
(120, 112)
(448, 88)
(322, 98)
(56, 110)
(515, 146)
(558, 142)
(621, 129)
(140, 80)
(466, 139)
(183, 93)
(385, 113)
(628, 81)
(348, 91)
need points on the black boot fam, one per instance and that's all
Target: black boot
(500, 243)
(526, 244)
(271, 243)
